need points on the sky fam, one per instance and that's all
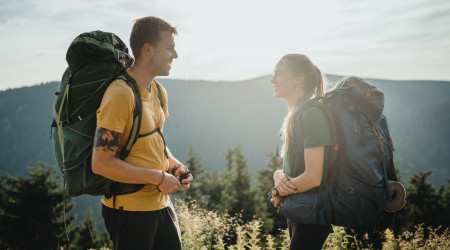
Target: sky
(238, 39)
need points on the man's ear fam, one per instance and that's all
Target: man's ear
(147, 50)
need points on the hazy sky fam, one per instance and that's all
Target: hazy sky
(238, 39)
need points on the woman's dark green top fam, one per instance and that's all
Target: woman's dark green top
(312, 130)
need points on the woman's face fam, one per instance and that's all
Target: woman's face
(285, 85)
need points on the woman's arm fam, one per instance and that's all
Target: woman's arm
(312, 177)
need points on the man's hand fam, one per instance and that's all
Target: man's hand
(284, 186)
(186, 183)
(169, 185)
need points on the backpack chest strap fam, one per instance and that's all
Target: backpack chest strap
(157, 130)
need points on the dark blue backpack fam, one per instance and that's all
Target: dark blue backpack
(357, 185)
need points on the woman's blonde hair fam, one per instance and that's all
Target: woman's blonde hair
(313, 83)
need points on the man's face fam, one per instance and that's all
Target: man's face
(163, 54)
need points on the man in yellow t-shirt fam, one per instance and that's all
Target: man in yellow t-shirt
(144, 219)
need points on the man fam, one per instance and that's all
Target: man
(144, 219)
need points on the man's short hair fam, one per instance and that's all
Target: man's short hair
(147, 30)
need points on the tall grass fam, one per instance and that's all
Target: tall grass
(203, 229)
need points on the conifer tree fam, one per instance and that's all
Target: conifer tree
(273, 220)
(33, 216)
(195, 192)
(86, 236)
(426, 204)
(212, 191)
(3, 202)
(236, 195)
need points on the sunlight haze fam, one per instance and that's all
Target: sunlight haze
(235, 40)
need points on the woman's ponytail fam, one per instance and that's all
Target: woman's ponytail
(319, 83)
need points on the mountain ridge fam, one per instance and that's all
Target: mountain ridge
(215, 116)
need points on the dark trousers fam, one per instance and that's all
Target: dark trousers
(141, 230)
(307, 236)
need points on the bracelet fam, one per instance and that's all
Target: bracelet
(174, 169)
(162, 179)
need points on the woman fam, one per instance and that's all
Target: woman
(298, 80)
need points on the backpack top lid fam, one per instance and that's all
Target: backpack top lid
(95, 46)
(368, 98)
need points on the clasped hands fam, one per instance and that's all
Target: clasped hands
(284, 186)
(171, 183)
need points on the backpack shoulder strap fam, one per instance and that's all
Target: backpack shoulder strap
(320, 102)
(137, 114)
(306, 105)
(158, 87)
(333, 132)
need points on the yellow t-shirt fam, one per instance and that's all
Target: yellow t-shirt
(116, 114)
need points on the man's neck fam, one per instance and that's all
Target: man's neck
(142, 76)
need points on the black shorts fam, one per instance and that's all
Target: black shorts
(142, 230)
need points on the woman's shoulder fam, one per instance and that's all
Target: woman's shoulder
(313, 112)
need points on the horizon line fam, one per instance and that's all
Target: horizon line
(241, 80)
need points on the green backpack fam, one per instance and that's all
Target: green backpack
(95, 60)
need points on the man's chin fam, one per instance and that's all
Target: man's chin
(166, 73)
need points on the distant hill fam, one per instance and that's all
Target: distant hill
(214, 116)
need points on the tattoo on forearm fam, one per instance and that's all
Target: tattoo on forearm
(106, 140)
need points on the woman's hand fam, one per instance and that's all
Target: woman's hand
(284, 185)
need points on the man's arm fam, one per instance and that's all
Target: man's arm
(104, 162)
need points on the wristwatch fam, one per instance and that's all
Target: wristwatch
(275, 192)
(174, 169)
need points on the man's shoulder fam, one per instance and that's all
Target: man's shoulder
(119, 88)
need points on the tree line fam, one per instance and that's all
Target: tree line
(36, 214)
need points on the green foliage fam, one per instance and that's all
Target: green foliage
(37, 200)
(213, 190)
(339, 239)
(202, 229)
(426, 204)
(273, 221)
(33, 216)
(86, 236)
(236, 195)
(194, 164)
(425, 239)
